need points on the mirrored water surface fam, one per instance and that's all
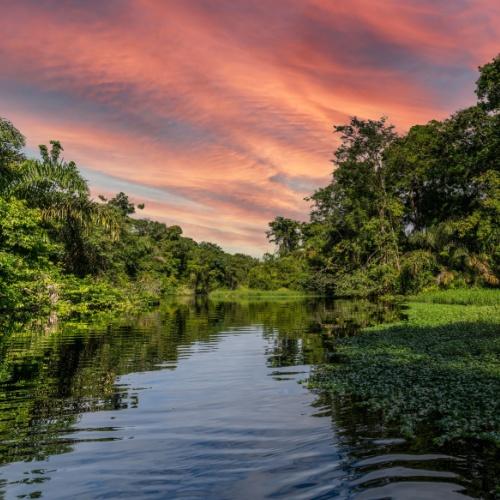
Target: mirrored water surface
(204, 400)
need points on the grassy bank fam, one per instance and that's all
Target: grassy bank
(438, 368)
(251, 293)
(460, 296)
(89, 298)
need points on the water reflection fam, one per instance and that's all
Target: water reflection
(201, 400)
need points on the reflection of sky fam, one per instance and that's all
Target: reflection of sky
(218, 115)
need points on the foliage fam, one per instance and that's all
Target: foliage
(285, 233)
(402, 213)
(252, 293)
(11, 144)
(460, 296)
(488, 90)
(26, 274)
(279, 272)
(84, 297)
(122, 203)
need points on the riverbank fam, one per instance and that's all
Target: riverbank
(85, 299)
(252, 293)
(439, 368)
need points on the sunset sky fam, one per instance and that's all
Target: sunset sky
(218, 114)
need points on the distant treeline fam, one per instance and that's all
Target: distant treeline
(401, 213)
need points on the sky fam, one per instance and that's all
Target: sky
(218, 114)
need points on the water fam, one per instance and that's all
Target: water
(203, 400)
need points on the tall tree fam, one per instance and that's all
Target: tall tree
(11, 145)
(361, 215)
(488, 85)
(285, 233)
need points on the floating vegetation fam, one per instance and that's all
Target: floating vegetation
(440, 367)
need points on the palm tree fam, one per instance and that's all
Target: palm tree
(57, 188)
(453, 252)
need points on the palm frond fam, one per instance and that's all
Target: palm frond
(56, 177)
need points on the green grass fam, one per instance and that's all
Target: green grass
(250, 293)
(461, 296)
(438, 369)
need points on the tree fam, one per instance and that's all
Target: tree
(360, 215)
(11, 144)
(26, 272)
(123, 204)
(207, 268)
(488, 85)
(285, 233)
(402, 211)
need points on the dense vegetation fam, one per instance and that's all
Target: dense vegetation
(402, 212)
(61, 250)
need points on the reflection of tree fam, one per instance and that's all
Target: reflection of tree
(325, 321)
(48, 380)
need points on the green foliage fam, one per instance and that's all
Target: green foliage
(62, 251)
(26, 274)
(86, 297)
(439, 369)
(460, 296)
(122, 203)
(252, 294)
(488, 85)
(11, 155)
(401, 214)
(11, 144)
(207, 267)
(285, 233)
(274, 273)
(57, 188)
(373, 280)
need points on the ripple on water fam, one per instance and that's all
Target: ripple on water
(407, 475)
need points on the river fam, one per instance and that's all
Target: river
(203, 400)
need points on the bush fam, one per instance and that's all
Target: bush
(88, 296)
(379, 279)
(418, 269)
(27, 275)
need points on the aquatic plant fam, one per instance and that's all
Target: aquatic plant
(439, 368)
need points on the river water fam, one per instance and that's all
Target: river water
(203, 400)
